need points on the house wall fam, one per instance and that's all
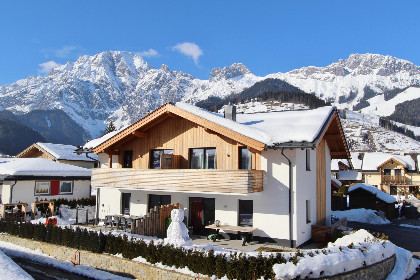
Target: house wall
(181, 135)
(24, 191)
(103, 160)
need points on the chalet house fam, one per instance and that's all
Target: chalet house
(60, 153)
(270, 171)
(394, 174)
(25, 179)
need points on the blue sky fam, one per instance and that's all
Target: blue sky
(197, 36)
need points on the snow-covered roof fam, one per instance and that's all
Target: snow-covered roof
(335, 166)
(372, 161)
(337, 182)
(40, 167)
(357, 163)
(65, 152)
(378, 193)
(270, 128)
(350, 175)
(96, 142)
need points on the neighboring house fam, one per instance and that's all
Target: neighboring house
(25, 179)
(270, 171)
(60, 153)
(394, 174)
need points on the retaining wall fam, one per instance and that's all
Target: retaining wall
(139, 270)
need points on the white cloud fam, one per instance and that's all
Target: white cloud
(65, 51)
(46, 67)
(148, 53)
(189, 49)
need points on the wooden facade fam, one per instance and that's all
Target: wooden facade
(321, 183)
(201, 180)
(181, 135)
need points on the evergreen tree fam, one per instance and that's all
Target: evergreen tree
(110, 128)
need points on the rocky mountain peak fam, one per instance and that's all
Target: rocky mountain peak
(235, 70)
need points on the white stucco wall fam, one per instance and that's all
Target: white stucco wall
(304, 189)
(103, 160)
(24, 191)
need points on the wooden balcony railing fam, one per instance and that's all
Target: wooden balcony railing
(393, 179)
(200, 180)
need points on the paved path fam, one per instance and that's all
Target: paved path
(404, 237)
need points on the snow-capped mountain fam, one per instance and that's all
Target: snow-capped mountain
(120, 86)
(116, 86)
(354, 81)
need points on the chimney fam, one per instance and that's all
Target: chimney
(230, 112)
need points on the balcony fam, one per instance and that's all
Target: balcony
(393, 179)
(195, 180)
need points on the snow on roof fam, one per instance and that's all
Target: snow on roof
(335, 166)
(379, 194)
(350, 175)
(96, 142)
(39, 167)
(372, 161)
(65, 152)
(357, 163)
(337, 182)
(270, 128)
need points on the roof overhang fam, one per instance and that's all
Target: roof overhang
(332, 131)
(140, 128)
(40, 178)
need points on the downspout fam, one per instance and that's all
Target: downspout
(290, 198)
(11, 192)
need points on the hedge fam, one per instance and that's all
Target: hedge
(234, 266)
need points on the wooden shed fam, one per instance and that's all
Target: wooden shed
(368, 197)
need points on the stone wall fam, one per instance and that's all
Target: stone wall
(101, 261)
(376, 271)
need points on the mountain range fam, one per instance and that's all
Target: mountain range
(121, 86)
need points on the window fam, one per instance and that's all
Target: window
(245, 158)
(246, 211)
(203, 158)
(128, 159)
(397, 172)
(155, 156)
(308, 211)
(387, 171)
(125, 203)
(158, 200)
(66, 187)
(42, 188)
(308, 159)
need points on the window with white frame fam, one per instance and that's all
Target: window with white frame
(66, 187)
(42, 188)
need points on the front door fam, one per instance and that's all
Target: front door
(196, 216)
(125, 203)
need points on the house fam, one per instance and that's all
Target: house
(270, 171)
(26, 179)
(60, 153)
(393, 174)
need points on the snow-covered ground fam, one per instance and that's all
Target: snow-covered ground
(68, 215)
(39, 257)
(361, 215)
(10, 270)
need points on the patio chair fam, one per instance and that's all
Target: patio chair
(116, 220)
(108, 220)
(123, 221)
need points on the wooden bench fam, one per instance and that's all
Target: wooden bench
(242, 231)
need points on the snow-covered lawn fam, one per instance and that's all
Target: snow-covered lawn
(361, 215)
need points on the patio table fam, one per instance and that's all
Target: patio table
(242, 231)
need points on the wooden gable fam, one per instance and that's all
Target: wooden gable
(392, 162)
(333, 134)
(141, 128)
(35, 151)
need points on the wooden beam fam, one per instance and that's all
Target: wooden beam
(338, 153)
(140, 134)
